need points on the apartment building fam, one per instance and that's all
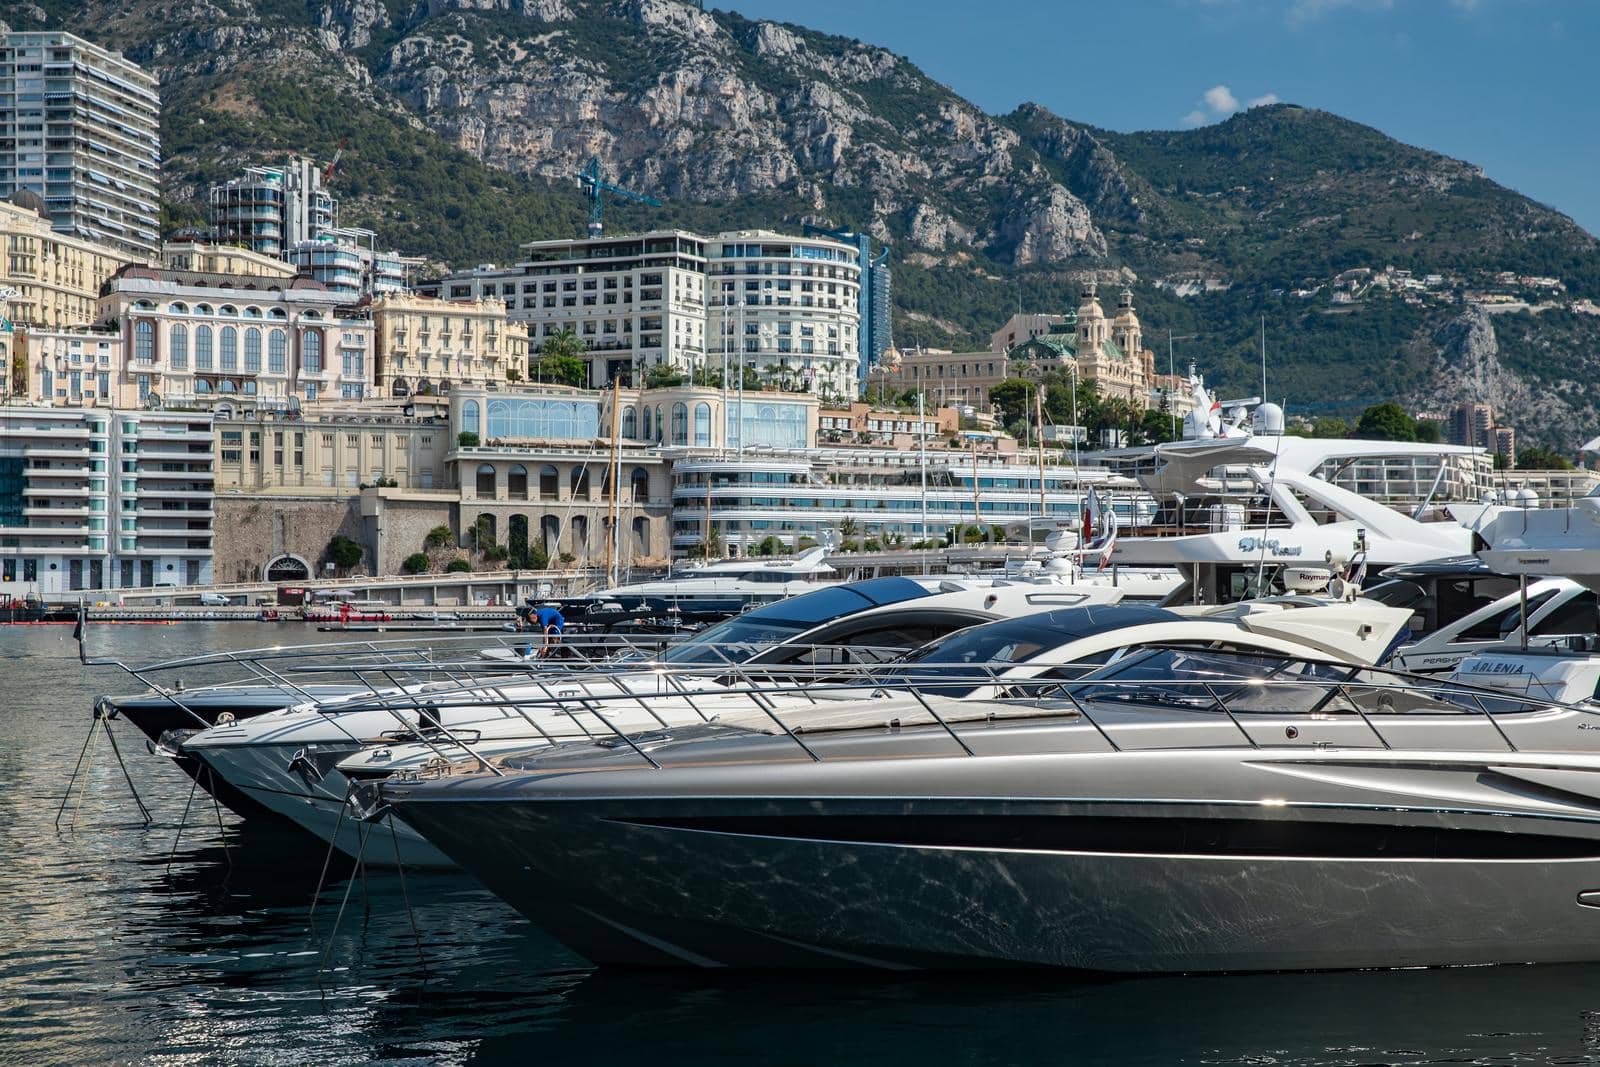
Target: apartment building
(269, 210)
(94, 499)
(80, 128)
(430, 346)
(79, 367)
(332, 454)
(55, 277)
(348, 261)
(190, 256)
(192, 337)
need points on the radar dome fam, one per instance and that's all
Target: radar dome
(1266, 419)
(1527, 498)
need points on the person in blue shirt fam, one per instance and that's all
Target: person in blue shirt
(552, 623)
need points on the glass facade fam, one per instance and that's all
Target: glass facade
(772, 425)
(541, 417)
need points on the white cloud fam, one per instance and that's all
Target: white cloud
(1195, 118)
(1263, 101)
(1221, 101)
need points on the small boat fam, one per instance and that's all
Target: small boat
(32, 610)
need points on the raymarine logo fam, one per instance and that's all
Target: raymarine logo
(1268, 544)
(1533, 560)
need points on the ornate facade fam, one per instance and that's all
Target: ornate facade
(1108, 351)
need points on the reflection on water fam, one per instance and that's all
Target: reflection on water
(116, 945)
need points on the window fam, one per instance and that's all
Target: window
(702, 425)
(469, 417)
(144, 341)
(549, 483)
(680, 424)
(630, 422)
(252, 350)
(485, 479)
(178, 346)
(517, 482)
(311, 353)
(202, 348)
(276, 346)
(230, 348)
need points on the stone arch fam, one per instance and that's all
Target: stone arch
(485, 485)
(549, 482)
(287, 567)
(517, 482)
(550, 535)
(579, 481)
(639, 482)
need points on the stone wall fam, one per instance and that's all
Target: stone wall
(253, 530)
(396, 521)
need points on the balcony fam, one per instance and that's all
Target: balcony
(57, 511)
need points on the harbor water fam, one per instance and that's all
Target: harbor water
(121, 942)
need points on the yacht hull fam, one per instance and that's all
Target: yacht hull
(312, 795)
(1094, 886)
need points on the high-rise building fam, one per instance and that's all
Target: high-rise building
(80, 129)
(1472, 424)
(272, 209)
(347, 261)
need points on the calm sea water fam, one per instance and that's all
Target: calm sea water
(116, 946)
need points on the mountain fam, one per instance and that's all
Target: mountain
(464, 122)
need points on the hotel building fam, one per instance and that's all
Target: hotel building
(786, 307)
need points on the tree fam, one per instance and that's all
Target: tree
(1534, 457)
(416, 563)
(848, 527)
(458, 565)
(662, 376)
(1386, 422)
(344, 552)
(439, 537)
(1014, 398)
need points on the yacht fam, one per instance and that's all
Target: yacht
(1180, 809)
(297, 761)
(1243, 507)
(725, 587)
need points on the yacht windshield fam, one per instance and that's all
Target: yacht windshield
(972, 654)
(1208, 678)
(736, 640)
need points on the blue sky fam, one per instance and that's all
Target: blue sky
(1511, 85)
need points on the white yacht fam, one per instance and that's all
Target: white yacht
(723, 587)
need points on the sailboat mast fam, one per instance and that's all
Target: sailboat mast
(616, 480)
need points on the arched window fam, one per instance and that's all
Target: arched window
(517, 482)
(202, 309)
(580, 482)
(486, 479)
(252, 350)
(227, 309)
(178, 346)
(580, 535)
(517, 537)
(680, 423)
(469, 417)
(311, 351)
(144, 341)
(640, 482)
(647, 424)
(400, 387)
(229, 348)
(202, 348)
(550, 534)
(178, 308)
(483, 532)
(661, 424)
(201, 386)
(641, 536)
(549, 483)
(630, 422)
(226, 386)
(249, 387)
(277, 349)
(702, 425)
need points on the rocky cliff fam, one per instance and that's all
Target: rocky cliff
(465, 121)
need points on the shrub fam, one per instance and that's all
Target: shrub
(568, 558)
(872, 545)
(467, 439)
(439, 537)
(538, 558)
(457, 565)
(416, 563)
(344, 552)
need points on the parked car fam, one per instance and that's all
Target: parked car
(215, 600)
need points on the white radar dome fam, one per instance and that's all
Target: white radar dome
(1266, 419)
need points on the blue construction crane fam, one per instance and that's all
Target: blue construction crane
(594, 181)
(876, 334)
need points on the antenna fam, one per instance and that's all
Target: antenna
(1263, 357)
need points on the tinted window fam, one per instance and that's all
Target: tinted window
(739, 638)
(1576, 616)
(1498, 624)
(1019, 640)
